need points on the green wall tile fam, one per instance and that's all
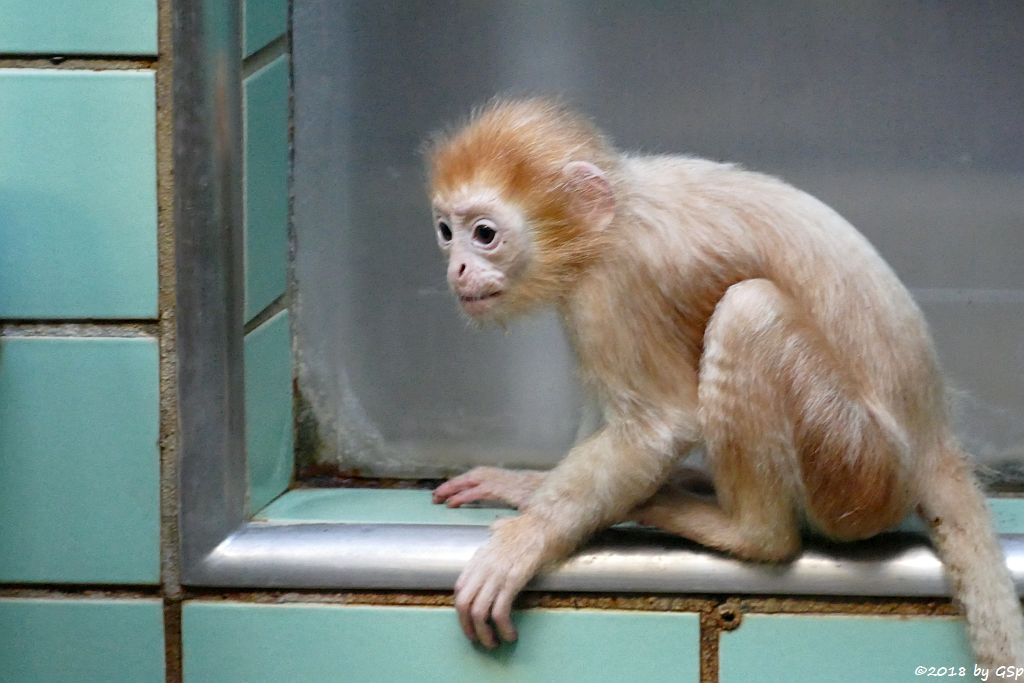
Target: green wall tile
(268, 409)
(77, 194)
(104, 27)
(264, 21)
(266, 185)
(229, 643)
(79, 460)
(1007, 514)
(840, 649)
(81, 641)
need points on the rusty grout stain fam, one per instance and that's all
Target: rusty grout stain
(714, 605)
(710, 631)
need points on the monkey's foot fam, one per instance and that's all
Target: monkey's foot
(511, 487)
(494, 576)
(772, 537)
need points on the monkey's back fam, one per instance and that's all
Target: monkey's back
(727, 224)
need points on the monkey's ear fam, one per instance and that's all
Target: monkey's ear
(593, 199)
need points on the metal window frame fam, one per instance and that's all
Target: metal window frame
(220, 547)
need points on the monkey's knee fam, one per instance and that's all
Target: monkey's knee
(751, 294)
(747, 307)
(743, 364)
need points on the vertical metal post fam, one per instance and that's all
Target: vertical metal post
(209, 232)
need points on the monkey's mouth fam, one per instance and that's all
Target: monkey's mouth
(479, 303)
(482, 297)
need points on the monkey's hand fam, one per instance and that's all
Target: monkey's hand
(512, 487)
(494, 576)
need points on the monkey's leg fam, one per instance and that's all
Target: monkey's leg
(785, 427)
(512, 487)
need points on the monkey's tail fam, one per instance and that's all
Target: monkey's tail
(954, 507)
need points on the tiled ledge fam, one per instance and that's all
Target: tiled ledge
(388, 539)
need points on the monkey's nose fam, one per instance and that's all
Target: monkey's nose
(457, 272)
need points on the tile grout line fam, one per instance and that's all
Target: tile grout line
(170, 569)
(709, 634)
(173, 651)
(266, 55)
(291, 279)
(78, 63)
(276, 306)
(88, 591)
(78, 328)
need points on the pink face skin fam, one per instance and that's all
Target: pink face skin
(485, 240)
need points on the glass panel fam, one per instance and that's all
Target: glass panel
(904, 117)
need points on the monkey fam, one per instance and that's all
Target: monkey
(711, 305)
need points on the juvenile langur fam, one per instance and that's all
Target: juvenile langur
(705, 304)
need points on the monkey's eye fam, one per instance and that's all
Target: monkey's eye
(484, 234)
(445, 231)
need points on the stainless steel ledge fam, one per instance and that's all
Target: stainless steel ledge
(429, 557)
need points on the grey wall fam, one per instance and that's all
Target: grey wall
(906, 117)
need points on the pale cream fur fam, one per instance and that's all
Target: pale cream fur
(710, 305)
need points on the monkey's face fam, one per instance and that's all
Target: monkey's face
(487, 243)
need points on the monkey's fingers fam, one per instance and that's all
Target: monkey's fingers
(494, 576)
(446, 490)
(472, 495)
(480, 613)
(474, 595)
(465, 591)
(455, 485)
(502, 615)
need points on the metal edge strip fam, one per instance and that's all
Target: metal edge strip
(430, 557)
(209, 274)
